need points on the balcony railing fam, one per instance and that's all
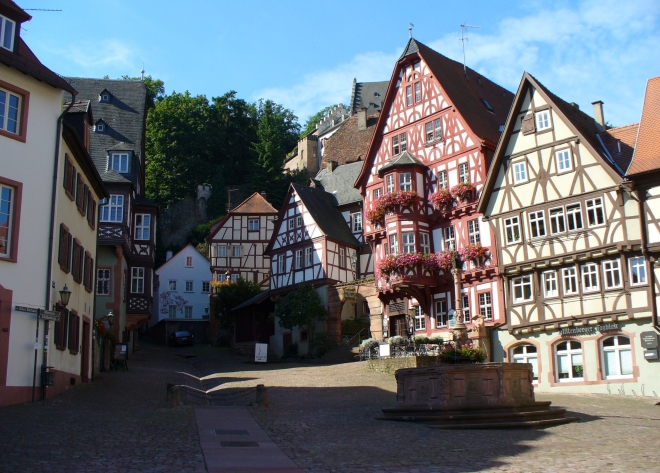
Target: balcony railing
(139, 304)
(113, 233)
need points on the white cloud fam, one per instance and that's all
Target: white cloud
(91, 58)
(595, 50)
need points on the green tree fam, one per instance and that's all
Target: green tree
(155, 88)
(312, 121)
(230, 295)
(300, 308)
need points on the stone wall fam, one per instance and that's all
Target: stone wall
(390, 365)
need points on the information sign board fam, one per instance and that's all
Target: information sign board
(649, 340)
(384, 350)
(121, 352)
(261, 352)
(49, 315)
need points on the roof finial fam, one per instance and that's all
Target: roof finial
(410, 29)
(142, 71)
(463, 39)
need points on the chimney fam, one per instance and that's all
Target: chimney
(168, 255)
(263, 194)
(575, 105)
(598, 113)
(362, 119)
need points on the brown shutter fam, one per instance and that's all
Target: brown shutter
(528, 125)
(61, 254)
(67, 171)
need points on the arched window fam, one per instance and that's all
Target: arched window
(526, 354)
(568, 355)
(617, 357)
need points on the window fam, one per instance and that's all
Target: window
(405, 181)
(206, 286)
(236, 251)
(91, 212)
(409, 99)
(394, 245)
(189, 286)
(137, 280)
(103, 282)
(542, 120)
(395, 145)
(378, 192)
(291, 224)
(550, 284)
(473, 231)
(356, 222)
(9, 111)
(463, 173)
(527, 354)
(563, 158)
(487, 105)
(7, 32)
(65, 248)
(512, 229)
(536, 224)
(617, 357)
(425, 243)
(74, 333)
(299, 221)
(342, 258)
(143, 227)
(589, 277)
(522, 289)
(119, 162)
(281, 267)
(442, 180)
(485, 305)
(420, 318)
(408, 240)
(234, 277)
(253, 225)
(172, 284)
(100, 127)
(187, 312)
(595, 212)
(222, 251)
(7, 198)
(557, 224)
(570, 281)
(113, 211)
(298, 259)
(437, 128)
(637, 270)
(189, 262)
(466, 309)
(573, 217)
(418, 92)
(308, 257)
(449, 238)
(402, 141)
(441, 313)
(519, 172)
(390, 183)
(612, 270)
(569, 361)
(171, 311)
(429, 131)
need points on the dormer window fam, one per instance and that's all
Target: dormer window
(105, 96)
(7, 31)
(119, 162)
(99, 127)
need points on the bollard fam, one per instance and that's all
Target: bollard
(262, 395)
(173, 395)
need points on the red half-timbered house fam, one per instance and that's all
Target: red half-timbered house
(421, 181)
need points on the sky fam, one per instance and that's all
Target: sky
(304, 55)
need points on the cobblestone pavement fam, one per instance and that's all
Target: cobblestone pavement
(119, 423)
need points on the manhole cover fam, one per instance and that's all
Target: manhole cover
(231, 432)
(239, 444)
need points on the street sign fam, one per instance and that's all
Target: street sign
(261, 352)
(21, 308)
(49, 315)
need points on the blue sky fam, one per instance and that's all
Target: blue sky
(305, 54)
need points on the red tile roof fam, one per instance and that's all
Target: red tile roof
(647, 150)
(254, 204)
(348, 144)
(620, 143)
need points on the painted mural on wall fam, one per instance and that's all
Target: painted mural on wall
(167, 299)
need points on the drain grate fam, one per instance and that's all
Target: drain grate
(231, 432)
(239, 444)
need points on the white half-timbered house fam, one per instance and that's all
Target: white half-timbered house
(436, 134)
(238, 240)
(311, 243)
(570, 248)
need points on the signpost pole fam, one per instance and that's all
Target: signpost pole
(36, 353)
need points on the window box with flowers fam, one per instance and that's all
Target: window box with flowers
(388, 203)
(475, 253)
(432, 263)
(463, 191)
(442, 200)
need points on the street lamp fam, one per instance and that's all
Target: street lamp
(65, 295)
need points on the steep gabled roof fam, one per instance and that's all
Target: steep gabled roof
(647, 150)
(13, 11)
(348, 144)
(339, 182)
(402, 159)
(254, 204)
(620, 143)
(175, 255)
(579, 122)
(369, 95)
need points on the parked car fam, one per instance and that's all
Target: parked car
(181, 338)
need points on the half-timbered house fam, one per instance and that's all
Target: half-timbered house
(424, 171)
(570, 250)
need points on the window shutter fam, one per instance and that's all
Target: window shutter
(528, 125)
(69, 248)
(61, 255)
(67, 171)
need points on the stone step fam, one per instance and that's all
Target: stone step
(481, 418)
(426, 411)
(532, 424)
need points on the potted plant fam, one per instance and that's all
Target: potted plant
(463, 191)
(473, 252)
(442, 199)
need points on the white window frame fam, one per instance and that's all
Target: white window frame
(394, 244)
(612, 270)
(253, 224)
(187, 312)
(511, 229)
(103, 280)
(309, 257)
(557, 220)
(437, 128)
(291, 224)
(520, 283)
(428, 127)
(356, 222)
(485, 305)
(408, 242)
(473, 231)
(234, 277)
(123, 160)
(637, 271)
(281, 263)
(342, 258)
(99, 127)
(395, 145)
(11, 113)
(418, 92)
(595, 212)
(570, 281)
(550, 285)
(113, 211)
(441, 313)
(526, 357)
(589, 277)
(449, 238)
(442, 179)
(298, 259)
(542, 120)
(222, 251)
(137, 280)
(465, 303)
(409, 96)
(464, 172)
(172, 284)
(171, 311)
(389, 179)
(7, 41)
(617, 349)
(378, 192)
(519, 172)
(236, 251)
(537, 228)
(425, 243)
(574, 220)
(7, 199)
(420, 318)
(563, 160)
(299, 221)
(405, 181)
(569, 353)
(142, 226)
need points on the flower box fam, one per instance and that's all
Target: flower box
(442, 199)
(463, 191)
(387, 203)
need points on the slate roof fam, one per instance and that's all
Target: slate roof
(79, 106)
(113, 176)
(348, 144)
(620, 143)
(369, 95)
(258, 299)
(322, 206)
(647, 150)
(124, 116)
(402, 159)
(254, 204)
(340, 182)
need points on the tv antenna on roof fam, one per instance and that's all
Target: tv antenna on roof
(463, 39)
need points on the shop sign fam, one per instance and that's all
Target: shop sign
(589, 330)
(649, 340)
(349, 293)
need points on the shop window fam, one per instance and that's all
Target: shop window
(441, 313)
(527, 354)
(570, 366)
(617, 357)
